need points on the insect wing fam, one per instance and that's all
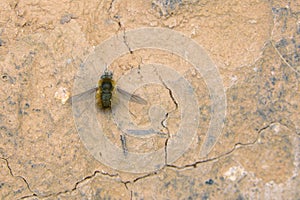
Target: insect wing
(82, 95)
(132, 97)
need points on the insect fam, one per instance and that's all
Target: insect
(106, 85)
(105, 92)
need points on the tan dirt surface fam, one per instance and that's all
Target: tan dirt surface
(255, 45)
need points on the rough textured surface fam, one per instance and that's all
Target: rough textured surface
(254, 44)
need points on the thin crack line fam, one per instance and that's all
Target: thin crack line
(281, 57)
(162, 123)
(131, 195)
(237, 145)
(167, 140)
(21, 177)
(110, 6)
(125, 41)
(84, 179)
(171, 95)
(139, 178)
(167, 114)
(75, 186)
(273, 45)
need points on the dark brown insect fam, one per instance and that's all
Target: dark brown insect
(105, 92)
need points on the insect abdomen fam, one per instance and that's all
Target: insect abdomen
(105, 98)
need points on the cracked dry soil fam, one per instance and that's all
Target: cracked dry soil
(254, 44)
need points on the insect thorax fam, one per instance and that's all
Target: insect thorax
(106, 86)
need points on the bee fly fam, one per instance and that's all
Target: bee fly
(105, 90)
(106, 86)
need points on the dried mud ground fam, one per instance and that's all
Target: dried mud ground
(255, 46)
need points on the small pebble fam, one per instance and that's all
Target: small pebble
(209, 182)
(67, 18)
(62, 94)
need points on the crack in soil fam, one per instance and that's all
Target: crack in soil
(166, 117)
(125, 40)
(139, 178)
(195, 164)
(20, 177)
(75, 186)
(117, 19)
(192, 165)
(111, 6)
(271, 40)
(281, 57)
(167, 114)
(236, 146)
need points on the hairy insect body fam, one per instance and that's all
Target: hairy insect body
(105, 90)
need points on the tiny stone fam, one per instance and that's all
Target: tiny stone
(67, 18)
(62, 94)
(27, 105)
(209, 182)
